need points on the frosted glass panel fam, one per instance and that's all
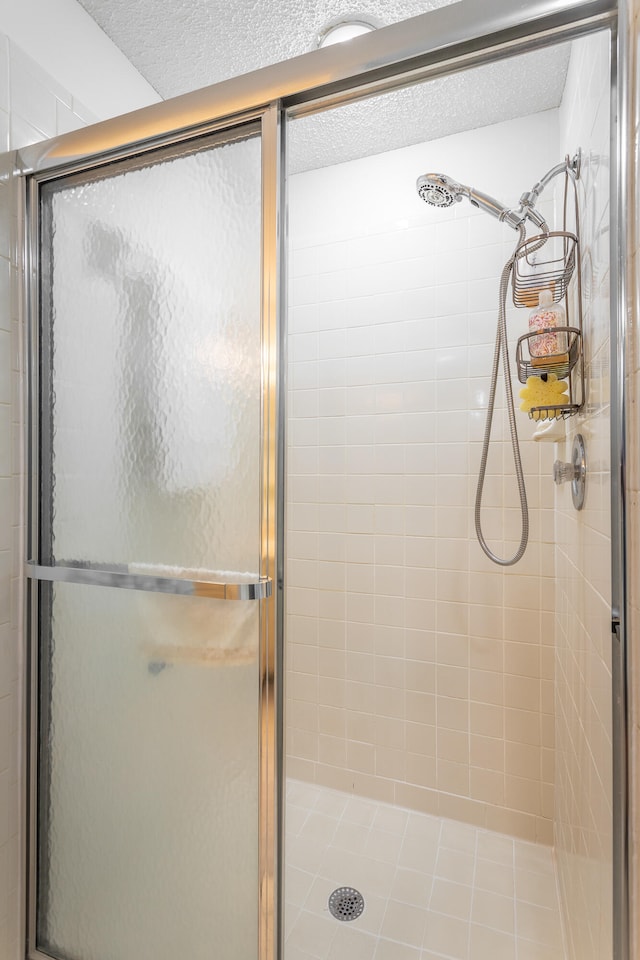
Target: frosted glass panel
(151, 293)
(150, 432)
(148, 793)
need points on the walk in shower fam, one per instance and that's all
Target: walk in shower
(441, 691)
(282, 705)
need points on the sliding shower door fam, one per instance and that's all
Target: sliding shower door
(151, 573)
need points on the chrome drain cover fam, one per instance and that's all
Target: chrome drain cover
(346, 903)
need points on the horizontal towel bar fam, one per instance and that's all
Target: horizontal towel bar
(122, 579)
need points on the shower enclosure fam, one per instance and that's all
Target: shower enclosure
(433, 699)
(232, 508)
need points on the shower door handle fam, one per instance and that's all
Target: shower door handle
(123, 578)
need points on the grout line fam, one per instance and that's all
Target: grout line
(473, 889)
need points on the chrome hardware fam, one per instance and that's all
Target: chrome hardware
(346, 903)
(548, 262)
(440, 190)
(123, 579)
(575, 472)
(563, 472)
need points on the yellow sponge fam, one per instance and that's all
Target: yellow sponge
(537, 393)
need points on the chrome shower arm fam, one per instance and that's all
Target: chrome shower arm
(528, 200)
(538, 187)
(569, 165)
(514, 218)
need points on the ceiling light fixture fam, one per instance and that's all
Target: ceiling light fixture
(344, 30)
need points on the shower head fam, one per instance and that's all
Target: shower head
(440, 190)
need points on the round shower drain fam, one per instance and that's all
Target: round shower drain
(346, 903)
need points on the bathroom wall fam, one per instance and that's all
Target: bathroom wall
(583, 816)
(418, 672)
(69, 46)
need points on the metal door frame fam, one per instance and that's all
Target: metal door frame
(444, 41)
(265, 123)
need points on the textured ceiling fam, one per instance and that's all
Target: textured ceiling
(499, 91)
(182, 45)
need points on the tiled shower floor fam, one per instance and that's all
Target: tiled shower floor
(433, 888)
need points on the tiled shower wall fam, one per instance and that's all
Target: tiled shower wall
(32, 107)
(583, 816)
(418, 672)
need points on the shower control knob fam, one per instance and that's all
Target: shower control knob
(574, 472)
(563, 472)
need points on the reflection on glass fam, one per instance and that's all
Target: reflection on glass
(153, 293)
(151, 443)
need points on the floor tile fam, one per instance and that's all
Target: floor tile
(351, 944)
(451, 899)
(434, 889)
(487, 944)
(538, 923)
(494, 877)
(448, 934)
(297, 884)
(384, 846)
(390, 950)
(535, 888)
(454, 865)
(412, 886)
(405, 923)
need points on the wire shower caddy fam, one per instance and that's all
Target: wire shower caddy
(531, 275)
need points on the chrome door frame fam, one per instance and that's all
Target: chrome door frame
(443, 41)
(263, 122)
(626, 925)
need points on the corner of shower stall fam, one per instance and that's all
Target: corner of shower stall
(448, 732)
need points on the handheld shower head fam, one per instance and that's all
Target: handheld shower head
(439, 190)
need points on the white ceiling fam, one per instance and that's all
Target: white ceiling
(181, 45)
(499, 91)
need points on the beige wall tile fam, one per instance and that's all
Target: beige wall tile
(453, 777)
(487, 753)
(416, 798)
(429, 658)
(421, 770)
(486, 686)
(453, 745)
(521, 825)
(487, 785)
(452, 714)
(522, 726)
(487, 720)
(486, 653)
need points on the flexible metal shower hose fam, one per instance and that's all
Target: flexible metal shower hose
(501, 348)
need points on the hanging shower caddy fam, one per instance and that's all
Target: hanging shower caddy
(546, 262)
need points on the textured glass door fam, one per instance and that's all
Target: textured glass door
(150, 581)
